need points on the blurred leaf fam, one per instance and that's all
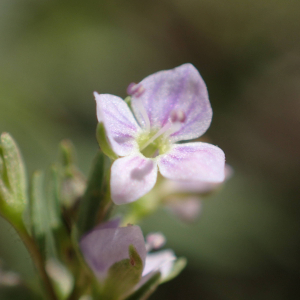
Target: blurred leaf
(53, 199)
(40, 216)
(13, 182)
(95, 195)
(72, 181)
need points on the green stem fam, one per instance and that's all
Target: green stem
(37, 260)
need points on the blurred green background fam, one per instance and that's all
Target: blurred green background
(55, 53)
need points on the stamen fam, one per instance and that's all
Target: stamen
(158, 133)
(177, 117)
(137, 90)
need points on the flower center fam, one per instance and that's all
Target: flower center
(157, 142)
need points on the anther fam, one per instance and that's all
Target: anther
(136, 90)
(177, 116)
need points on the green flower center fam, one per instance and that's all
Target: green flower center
(158, 146)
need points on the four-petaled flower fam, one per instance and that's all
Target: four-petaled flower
(168, 106)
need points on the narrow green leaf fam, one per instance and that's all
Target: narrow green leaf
(53, 199)
(40, 216)
(103, 142)
(95, 196)
(146, 289)
(123, 276)
(39, 209)
(13, 174)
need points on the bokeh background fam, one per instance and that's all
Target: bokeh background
(55, 53)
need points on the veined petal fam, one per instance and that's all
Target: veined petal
(102, 248)
(132, 177)
(193, 162)
(181, 89)
(120, 125)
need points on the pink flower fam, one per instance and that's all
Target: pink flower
(108, 244)
(168, 106)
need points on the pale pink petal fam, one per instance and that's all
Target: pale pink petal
(102, 248)
(159, 261)
(131, 178)
(198, 187)
(193, 162)
(179, 90)
(120, 125)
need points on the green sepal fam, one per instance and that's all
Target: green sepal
(13, 181)
(128, 100)
(103, 142)
(145, 291)
(96, 196)
(122, 277)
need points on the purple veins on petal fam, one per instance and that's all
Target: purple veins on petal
(176, 89)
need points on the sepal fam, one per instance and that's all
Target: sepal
(123, 276)
(147, 288)
(103, 142)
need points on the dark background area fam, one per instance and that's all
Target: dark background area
(54, 54)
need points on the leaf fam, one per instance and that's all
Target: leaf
(40, 216)
(13, 181)
(72, 183)
(53, 199)
(95, 194)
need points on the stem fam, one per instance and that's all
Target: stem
(37, 260)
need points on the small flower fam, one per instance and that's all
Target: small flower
(108, 244)
(168, 106)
